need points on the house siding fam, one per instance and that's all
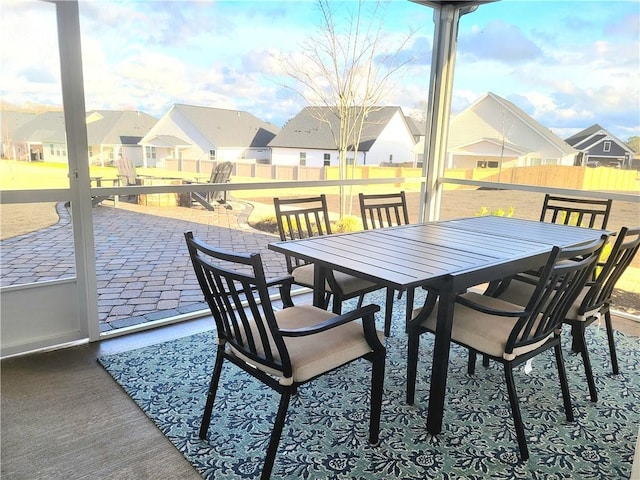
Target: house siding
(496, 119)
(395, 141)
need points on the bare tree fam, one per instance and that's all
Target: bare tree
(346, 74)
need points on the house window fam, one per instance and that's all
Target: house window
(90, 152)
(607, 146)
(212, 155)
(150, 152)
(303, 159)
(536, 161)
(327, 159)
(486, 164)
(390, 158)
(51, 150)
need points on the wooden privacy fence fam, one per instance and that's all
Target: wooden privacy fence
(579, 178)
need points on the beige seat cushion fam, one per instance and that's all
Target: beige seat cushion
(480, 331)
(520, 293)
(315, 354)
(349, 284)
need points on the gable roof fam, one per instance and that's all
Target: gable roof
(117, 127)
(227, 128)
(476, 122)
(308, 129)
(590, 136)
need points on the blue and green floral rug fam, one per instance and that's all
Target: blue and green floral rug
(325, 436)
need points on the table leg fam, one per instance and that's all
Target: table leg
(319, 279)
(440, 357)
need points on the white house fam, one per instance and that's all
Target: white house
(207, 134)
(308, 139)
(494, 132)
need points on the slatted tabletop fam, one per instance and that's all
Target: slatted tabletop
(412, 255)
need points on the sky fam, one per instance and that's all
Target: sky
(568, 64)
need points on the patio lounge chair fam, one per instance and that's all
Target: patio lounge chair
(221, 173)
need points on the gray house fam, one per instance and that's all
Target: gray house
(109, 134)
(41, 139)
(203, 134)
(598, 147)
(10, 121)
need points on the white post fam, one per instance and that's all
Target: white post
(73, 102)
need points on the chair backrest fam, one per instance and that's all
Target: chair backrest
(383, 210)
(620, 256)
(582, 212)
(126, 171)
(561, 281)
(234, 284)
(301, 218)
(221, 173)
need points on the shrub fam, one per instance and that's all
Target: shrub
(348, 223)
(499, 212)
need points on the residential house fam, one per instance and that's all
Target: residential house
(419, 131)
(494, 132)
(598, 147)
(109, 134)
(308, 139)
(41, 138)
(113, 133)
(188, 132)
(10, 121)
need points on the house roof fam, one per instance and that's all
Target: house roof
(117, 127)
(10, 121)
(47, 127)
(590, 136)
(483, 119)
(418, 129)
(227, 128)
(104, 127)
(313, 128)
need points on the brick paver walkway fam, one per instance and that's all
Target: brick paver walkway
(142, 265)
(143, 268)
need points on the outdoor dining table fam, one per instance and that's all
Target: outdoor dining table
(446, 256)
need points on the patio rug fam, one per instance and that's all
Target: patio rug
(325, 435)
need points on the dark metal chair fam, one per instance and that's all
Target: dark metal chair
(387, 210)
(285, 348)
(309, 217)
(509, 333)
(582, 212)
(594, 302)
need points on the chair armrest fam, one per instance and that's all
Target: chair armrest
(284, 280)
(465, 300)
(367, 310)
